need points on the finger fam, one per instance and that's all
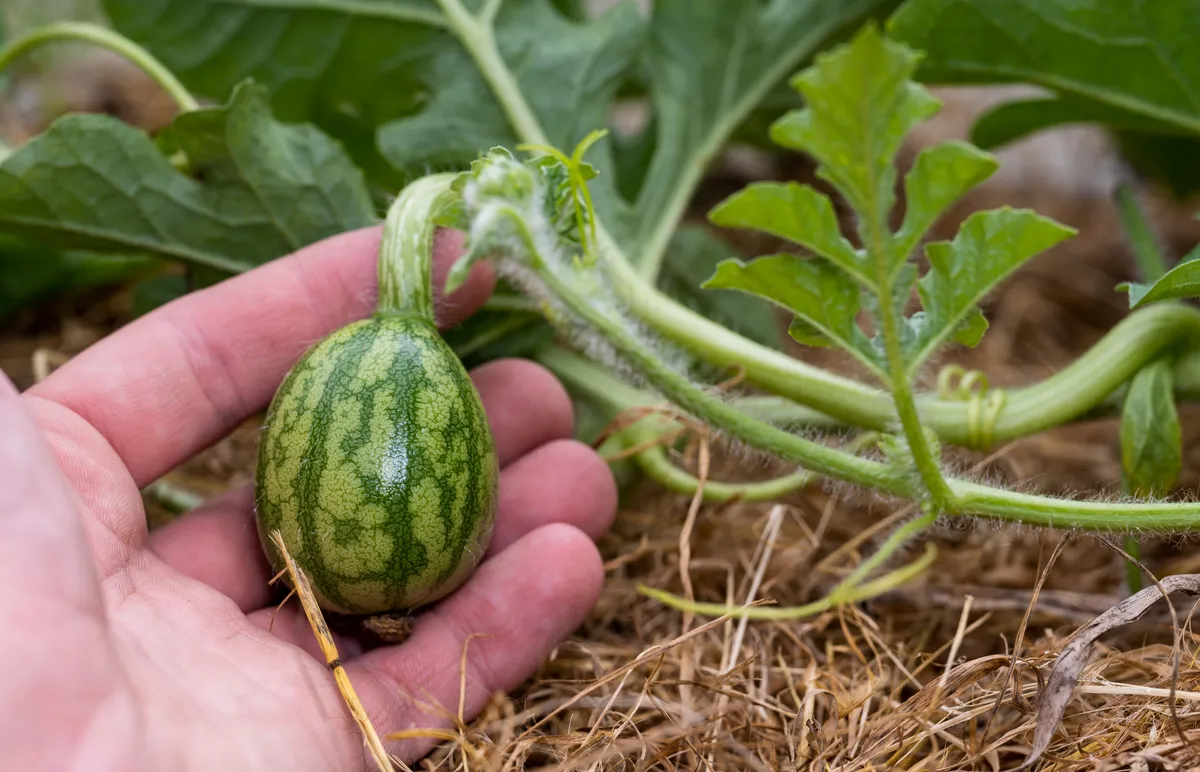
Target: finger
(526, 406)
(176, 380)
(523, 603)
(217, 543)
(560, 482)
(44, 557)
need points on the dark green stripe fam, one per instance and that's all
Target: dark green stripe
(349, 353)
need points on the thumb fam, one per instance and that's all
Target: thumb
(44, 553)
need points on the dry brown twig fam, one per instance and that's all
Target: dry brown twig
(316, 620)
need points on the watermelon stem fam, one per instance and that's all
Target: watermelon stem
(406, 252)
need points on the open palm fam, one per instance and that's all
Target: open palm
(128, 650)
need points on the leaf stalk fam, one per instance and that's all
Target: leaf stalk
(890, 319)
(477, 37)
(105, 38)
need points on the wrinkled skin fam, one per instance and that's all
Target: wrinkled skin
(127, 650)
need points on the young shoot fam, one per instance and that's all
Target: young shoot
(861, 103)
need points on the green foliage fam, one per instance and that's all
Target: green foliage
(797, 213)
(1127, 65)
(1011, 121)
(405, 80)
(1128, 56)
(1151, 435)
(989, 246)
(1182, 281)
(824, 299)
(941, 175)
(861, 102)
(257, 189)
(327, 109)
(30, 272)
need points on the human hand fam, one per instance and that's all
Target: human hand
(127, 650)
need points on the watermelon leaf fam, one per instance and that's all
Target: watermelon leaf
(255, 190)
(1133, 58)
(414, 81)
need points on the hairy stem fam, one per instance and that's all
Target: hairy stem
(105, 38)
(811, 455)
(658, 467)
(1070, 394)
(406, 251)
(972, 498)
(600, 385)
(655, 464)
(1133, 574)
(890, 320)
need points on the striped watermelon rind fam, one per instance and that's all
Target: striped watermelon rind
(378, 467)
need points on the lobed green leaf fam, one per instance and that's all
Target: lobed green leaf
(988, 247)
(861, 103)
(941, 176)
(797, 213)
(823, 298)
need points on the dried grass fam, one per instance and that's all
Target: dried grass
(943, 674)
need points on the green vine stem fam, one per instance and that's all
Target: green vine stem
(600, 385)
(972, 498)
(405, 284)
(582, 376)
(104, 38)
(1072, 393)
(1076, 392)
(841, 595)
(655, 464)
(889, 318)
(894, 542)
(475, 33)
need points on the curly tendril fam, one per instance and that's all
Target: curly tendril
(983, 402)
